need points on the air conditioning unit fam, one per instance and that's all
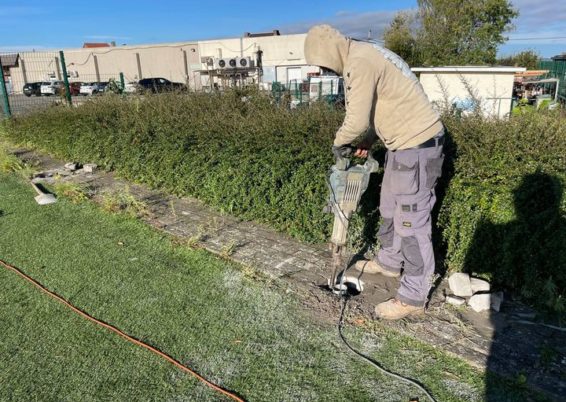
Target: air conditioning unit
(226, 63)
(232, 62)
(244, 62)
(219, 64)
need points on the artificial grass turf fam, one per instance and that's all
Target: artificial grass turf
(198, 308)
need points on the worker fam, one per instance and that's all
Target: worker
(384, 99)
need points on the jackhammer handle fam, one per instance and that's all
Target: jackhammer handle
(342, 156)
(343, 151)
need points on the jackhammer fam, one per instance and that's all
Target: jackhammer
(347, 183)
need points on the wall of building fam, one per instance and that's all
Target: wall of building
(278, 53)
(179, 62)
(492, 87)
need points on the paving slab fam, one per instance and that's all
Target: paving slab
(509, 342)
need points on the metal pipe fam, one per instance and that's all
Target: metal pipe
(122, 83)
(65, 78)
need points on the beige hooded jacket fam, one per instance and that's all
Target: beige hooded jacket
(381, 91)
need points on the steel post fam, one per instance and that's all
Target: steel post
(65, 78)
(4, 90)
(122, 83)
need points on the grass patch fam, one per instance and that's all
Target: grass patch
(8, 161)
(201, 309)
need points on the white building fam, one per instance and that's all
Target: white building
(271, 57)
(469, 87)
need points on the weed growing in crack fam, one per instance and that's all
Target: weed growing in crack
(74, 192)
(194, 240)
(124, 202)
(229, 248)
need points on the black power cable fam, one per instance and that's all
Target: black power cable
(343, 293)
(371, 361)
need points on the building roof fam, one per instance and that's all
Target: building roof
(9, 60)
(468, 69)
(559, 57)
(275, 32)
(95, 44)
(531, 73)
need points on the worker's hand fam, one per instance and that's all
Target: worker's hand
(361, 152)
(362, 148)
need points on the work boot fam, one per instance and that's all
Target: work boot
(394, 309)
(372, 267)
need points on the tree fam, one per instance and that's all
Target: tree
(400, 38)
(526, 58)
(453, 32)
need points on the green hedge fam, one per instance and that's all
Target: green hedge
(504, 213)
(244, 154)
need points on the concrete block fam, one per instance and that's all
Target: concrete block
(496, 300)
(90, 167)
(455, 300)
(71, 166)
(479, 285)
(480, 302)
(460, 284)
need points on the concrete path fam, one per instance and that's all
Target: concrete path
(504, 342)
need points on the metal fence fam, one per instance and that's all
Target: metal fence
(556, 69)
(42, 79)
(34, 80)
(314, 89)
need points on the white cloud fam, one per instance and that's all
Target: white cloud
(356, 25)
(541, 25)
(539, 22)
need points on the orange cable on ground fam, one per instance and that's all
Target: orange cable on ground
(170, 359)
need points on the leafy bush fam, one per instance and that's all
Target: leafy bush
(501, 199)
(504, 213)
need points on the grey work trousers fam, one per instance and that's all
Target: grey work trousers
(406, 201)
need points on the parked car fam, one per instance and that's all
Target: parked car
(75, 88)
(155, 85)
(51, 87)
(102, 86)
(32, 88)
(92, 88)
(130, 87)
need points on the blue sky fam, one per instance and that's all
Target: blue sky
(35, 24)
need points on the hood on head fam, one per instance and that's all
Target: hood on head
(326, 47)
